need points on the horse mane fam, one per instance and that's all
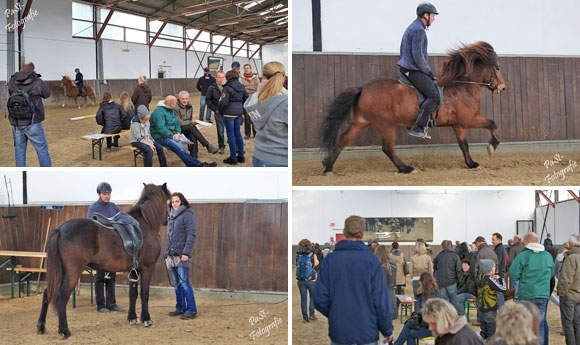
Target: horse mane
(152, 204)
(462, 61)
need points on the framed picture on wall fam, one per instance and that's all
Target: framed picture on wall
(400, 229)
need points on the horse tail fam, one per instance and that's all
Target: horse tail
(338, 113)
(54, 266)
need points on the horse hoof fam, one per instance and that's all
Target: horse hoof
(65, 334)
(490, 149)
(149, 323)
(134, 322)
(40, 328)
(328, 173)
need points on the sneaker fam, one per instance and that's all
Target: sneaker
(313, 318)
(212, 149)
(221, 151)
(206, 164)
(419, 134)
(242, 159)
(188, 316)
(103, 310)
(175, 313)
(117, 308)
(231, 161)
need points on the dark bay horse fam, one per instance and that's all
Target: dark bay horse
(72, 91)
(82, 242)
(385, 103)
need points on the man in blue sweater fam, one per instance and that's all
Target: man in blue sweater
(351, 291)
(414, 65)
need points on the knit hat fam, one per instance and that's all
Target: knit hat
(485, 266)
(235, 64)
(142, 111)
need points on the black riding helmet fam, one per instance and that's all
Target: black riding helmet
(104, 187)
(426, 7)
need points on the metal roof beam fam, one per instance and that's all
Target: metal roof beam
(202, 8)
(219, 45)
(24, 15)
(157, 34)
(105, 23)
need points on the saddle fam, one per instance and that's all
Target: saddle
(403, 79)
(130, 232)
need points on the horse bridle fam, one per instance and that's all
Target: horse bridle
(489, 84)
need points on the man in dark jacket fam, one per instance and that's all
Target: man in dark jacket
(79, 80)
(351, 290)
(213, 95)
(203, 84)
(483, 252)
(447, 270)
(23, 131)
(501, 267)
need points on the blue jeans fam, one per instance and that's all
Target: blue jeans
(202, 109)
(487, 323)
(450, 294)
(415, 284)
(185, 301)
(260, 163)
(411, 335)
(235, 140)
(542, 304)
(34, 133)
(461, 298)
(219, 125)
(148, 153)
(179, 151)
(570, 314)
(306, 287)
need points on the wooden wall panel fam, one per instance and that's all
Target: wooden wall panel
(239, 246)
(540, 103)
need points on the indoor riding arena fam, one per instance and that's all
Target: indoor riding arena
(238, 268)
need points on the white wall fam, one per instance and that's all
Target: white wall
(54, 187)
(518, 27)
(276, 52)
(561, 221)
(457, 214)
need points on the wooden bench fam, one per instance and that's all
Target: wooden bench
(405, 304)
(97, 140)
(468, 305)
(136, 153)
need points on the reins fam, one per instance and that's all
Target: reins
(473, 82)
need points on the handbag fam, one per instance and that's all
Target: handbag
(416, 321)
(406, 269)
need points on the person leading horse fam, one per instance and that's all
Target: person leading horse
(414, 65)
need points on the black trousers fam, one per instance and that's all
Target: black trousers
(194, 135)
(102, 283)
(248, 125)
(426, 86)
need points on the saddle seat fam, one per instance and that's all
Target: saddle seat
(403, 79)
(127, 227)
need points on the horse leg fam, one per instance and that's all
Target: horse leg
(345, 139)
(389, 149)
(464, 146)
(132, 316)
(41, 324)
(146, 276)
(76, 102)
(481, 122)
(68, 285)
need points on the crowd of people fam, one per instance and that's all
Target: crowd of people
(511, 285)
(234, 97)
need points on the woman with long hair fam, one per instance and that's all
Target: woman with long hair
(268, 109)
(448, 327)
(231, 106)
(420, 262)
(390, 269)
(127, 104)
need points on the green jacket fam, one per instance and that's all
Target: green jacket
(533, 267)
(164, 123)
(569, 280)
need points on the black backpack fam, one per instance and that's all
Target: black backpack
(20, 108)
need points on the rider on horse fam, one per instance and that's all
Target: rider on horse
(414, 65)
(79, 81)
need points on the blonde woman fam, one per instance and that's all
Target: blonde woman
(420, 263)
(127, 104)
(515, 326)
(390, 269)
(446, 325)
(268, 109)
(142, 93)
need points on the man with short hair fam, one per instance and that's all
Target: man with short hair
(184, 111)
(501, 267)
(202, 84)
(534, 267)
(569, 292)
(80, 81)
(105, 280)
(351, 291)
(30, 129)
(447, 272)
(213, 95)
(165, 130)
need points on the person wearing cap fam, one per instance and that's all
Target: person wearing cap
(105, 280)
(140, 137)
(79, 81)
(534, 267)
(236, 66)
(484, 251)
(165, 130)
(203, 83)
(415, 66)
(489, 286)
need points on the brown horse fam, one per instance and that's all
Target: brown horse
(385, 103)
(72, 91)
(83, 242)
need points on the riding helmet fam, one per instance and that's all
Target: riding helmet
(104, 187)
(77, 70)
(426, 7)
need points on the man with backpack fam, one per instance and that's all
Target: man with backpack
(26, 113)
(306, 262)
